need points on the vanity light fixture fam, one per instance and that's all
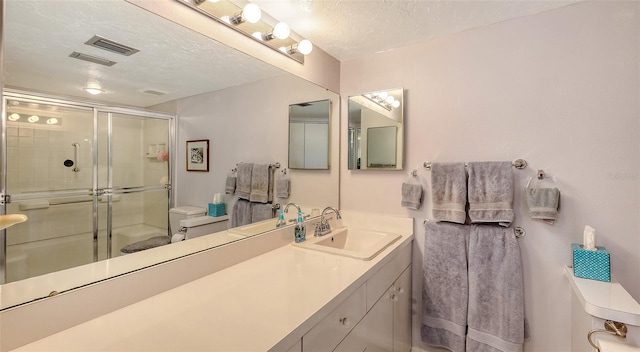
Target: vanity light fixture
(383, 99)
(251, 21)
(14, 117)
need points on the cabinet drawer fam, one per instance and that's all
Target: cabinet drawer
(328, 333)
(384, 278)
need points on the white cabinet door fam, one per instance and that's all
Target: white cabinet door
(374, 333)
(401, 296)
(328, 333)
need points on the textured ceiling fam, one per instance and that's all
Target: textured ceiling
(40, 35)
(350, 28)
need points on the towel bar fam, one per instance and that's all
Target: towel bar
(518, 164)
(518, 231)
(272, 166)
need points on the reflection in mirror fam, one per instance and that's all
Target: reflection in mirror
(375, 133)
(309, 135)
(157, 77)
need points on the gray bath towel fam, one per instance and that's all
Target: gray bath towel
(445, 287)
(260, 182)
(543, 203)
(261, 212)
(491, 192)
(411, 195)
(241, 213)
(283, 188)
(243, 182)
(230, 184)
(496, 304)
(449, 192)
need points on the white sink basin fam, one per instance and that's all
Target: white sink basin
(350, 242)
(255, 228)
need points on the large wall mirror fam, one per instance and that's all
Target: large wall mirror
(375, 135)
(177, 71)
(309, 135)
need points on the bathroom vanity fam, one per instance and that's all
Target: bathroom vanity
(284, 299)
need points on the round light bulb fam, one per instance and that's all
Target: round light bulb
(390, 99)
(305, 47)
(383, 95)
(281, 30)
(251, 13)
(14, 117)
(395, 104)
(33, 118)
(257, 35)
(52, 121)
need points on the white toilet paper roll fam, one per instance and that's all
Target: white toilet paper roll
(178, 237)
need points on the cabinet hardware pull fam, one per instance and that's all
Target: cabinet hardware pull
(345, 322)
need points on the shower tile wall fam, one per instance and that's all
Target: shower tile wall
(35, 156)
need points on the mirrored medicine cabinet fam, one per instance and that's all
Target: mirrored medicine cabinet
(376, 130)
(309, 135)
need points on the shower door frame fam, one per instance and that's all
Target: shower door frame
(96, 191)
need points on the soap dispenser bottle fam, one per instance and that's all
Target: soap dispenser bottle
(300, 232)
(281, 222)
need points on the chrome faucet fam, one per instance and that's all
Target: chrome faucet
(286, 208)
(323, 227)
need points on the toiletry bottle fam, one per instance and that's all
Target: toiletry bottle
(281, 222)
(300, 232)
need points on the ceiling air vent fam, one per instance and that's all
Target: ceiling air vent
(154, 92)
(109, 45)
(94, 59)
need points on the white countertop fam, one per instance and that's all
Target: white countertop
(251, 306)
(605, 300)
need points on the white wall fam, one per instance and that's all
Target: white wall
(249, 123)
(559, 89)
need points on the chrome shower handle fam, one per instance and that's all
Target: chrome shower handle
(76, 152)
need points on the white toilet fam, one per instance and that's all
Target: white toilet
(190, 222)
(185, 222)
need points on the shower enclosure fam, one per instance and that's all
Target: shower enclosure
(91, 179)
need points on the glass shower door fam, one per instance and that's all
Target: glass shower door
(49, 177)
(90, 181)
(135, 175)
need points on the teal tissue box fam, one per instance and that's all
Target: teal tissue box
(594, 265)
(216, 209)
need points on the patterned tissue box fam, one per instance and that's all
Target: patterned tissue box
(216, 209)
(594, 265)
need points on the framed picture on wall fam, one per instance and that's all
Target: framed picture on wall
(198, 155)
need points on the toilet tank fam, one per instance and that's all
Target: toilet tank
(181, 213)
